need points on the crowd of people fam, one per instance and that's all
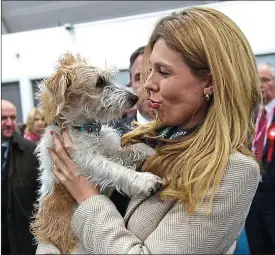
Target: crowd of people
(208, 111)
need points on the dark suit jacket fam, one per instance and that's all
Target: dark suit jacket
(19, 192)
(267, 188)
(124, 125)
(121, 201)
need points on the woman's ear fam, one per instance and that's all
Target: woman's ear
(209, 90)
(209, 86)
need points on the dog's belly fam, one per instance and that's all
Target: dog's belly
(90, 151)
(86, 146)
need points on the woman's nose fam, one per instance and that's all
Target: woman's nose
(151, 84)
(41, 122)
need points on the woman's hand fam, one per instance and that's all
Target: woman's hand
(65, 169)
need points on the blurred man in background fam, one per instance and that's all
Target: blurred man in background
(19, 168)
(260, 224)
(142, 112)
(134, 69)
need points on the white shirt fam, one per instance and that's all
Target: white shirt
(141, 119)
(269, 113)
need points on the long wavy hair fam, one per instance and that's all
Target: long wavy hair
(31, 118)
(210, 44)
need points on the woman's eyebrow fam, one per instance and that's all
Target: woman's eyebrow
(160, 63)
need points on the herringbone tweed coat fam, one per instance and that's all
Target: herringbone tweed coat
(155, 226)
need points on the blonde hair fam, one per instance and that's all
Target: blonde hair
(30, 120)
(210, 44)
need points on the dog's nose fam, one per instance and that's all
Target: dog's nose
(133, 98)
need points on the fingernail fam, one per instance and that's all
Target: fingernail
(51, 132)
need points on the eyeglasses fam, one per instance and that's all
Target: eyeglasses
(265, 80)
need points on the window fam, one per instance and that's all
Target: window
(123, 77)
(11, 92)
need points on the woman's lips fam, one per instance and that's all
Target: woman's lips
(155, 104)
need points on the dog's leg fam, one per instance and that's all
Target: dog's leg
(104, 171)
(135, 155)
(52, 222)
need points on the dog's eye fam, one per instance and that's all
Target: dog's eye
(100, 83)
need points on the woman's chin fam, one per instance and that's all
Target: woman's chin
(39, 131)
(165, 120)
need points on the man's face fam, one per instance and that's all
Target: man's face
(143, 105)
(267, 83)
(135, 75)
(8, 121)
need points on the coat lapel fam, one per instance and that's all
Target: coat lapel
(11, 164)
(17, 147)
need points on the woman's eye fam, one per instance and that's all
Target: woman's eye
(163, 73)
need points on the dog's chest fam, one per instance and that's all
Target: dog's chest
(107, 143)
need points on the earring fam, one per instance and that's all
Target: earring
(207, 97)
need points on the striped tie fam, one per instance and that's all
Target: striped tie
(260, 135)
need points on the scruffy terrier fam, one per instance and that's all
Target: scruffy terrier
(82, 97)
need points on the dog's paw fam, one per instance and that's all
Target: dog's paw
(145, 184)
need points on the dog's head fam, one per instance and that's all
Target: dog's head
(79, 92)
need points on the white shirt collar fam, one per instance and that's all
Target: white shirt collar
(270, 106)
(5, 143)
(141, 119)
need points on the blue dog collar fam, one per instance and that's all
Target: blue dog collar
(94, 127)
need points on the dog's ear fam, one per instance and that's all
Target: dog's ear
(53, 94)
(58, 84)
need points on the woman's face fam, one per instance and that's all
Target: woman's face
(175, 92)
(39, 123)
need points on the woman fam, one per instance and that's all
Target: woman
(203, 82)
(35, 125)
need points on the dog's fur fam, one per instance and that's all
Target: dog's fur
(81, 94)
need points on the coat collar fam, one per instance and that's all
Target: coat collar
(18, 141)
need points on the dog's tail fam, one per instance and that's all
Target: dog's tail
(52, 220)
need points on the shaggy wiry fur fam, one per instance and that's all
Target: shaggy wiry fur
(81, 94)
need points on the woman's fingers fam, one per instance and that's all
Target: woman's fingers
(62, 153)
(63, 172)
(59, 175)
(67, 141)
